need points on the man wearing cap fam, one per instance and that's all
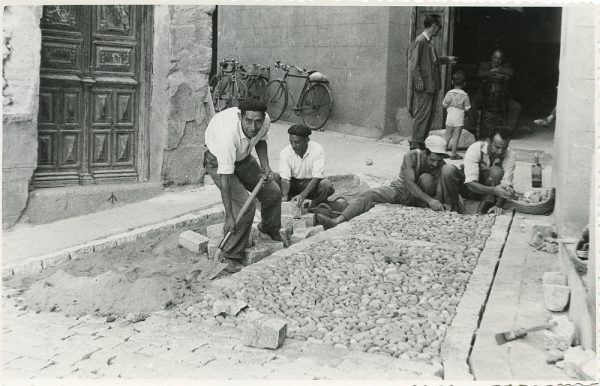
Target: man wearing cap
(489, 171)
(425, 180)
(230, 137)
(302, 169)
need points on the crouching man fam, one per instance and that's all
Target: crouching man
(302, 169)
(489, 171)
(230, 137)
(425, 181)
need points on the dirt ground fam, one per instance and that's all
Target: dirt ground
(146, 275)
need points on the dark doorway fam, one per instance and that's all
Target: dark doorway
(530, 39)
(215, 37)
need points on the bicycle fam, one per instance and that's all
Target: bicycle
(256, 80)
(315, 102)
(229, 90)
(215, 79)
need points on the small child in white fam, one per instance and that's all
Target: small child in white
(456, 102)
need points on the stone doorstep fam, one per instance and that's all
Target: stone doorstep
(35, 265)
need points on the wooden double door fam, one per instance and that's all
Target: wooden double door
(89, 100)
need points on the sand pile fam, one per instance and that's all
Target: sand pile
(109, 293)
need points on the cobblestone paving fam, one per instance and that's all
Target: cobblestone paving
(342, 292)
(170, 344)
(351, 315)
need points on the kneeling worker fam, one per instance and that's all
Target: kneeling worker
(302, 169)
(230, 137)
(425, 180)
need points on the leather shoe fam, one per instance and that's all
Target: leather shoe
(325, 221)
(275, 236)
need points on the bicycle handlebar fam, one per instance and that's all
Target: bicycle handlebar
(286, 68)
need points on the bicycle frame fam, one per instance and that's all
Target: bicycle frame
(289, 91)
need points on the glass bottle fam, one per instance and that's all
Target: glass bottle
(536, 172)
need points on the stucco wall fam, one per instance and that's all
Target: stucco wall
(352, 46)
(20, 91)
(182, 59)
(574, 137)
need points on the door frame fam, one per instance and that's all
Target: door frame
(145, 93)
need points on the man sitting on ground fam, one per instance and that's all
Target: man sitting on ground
(489, 171)
(302, 169)
(425, 180)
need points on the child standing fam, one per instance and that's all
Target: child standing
(456, 102)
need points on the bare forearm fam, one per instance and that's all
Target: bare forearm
(415, 191)
(312, 185)
(226, 195)
(476, 187)
(261, 152)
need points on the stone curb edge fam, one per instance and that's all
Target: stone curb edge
(460, 336)
(35, 265)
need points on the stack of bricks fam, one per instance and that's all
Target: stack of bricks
(259, 246)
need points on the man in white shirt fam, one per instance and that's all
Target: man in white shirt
(302, 169)
(489, 171)
(230, 137)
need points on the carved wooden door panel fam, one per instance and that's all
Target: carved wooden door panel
(89, 92)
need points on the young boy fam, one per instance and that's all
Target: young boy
(456, 102)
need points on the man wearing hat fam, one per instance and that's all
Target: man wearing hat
(425, 180)
(302, 169)
(230, 137)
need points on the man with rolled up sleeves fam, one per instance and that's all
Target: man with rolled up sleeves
(230, 137)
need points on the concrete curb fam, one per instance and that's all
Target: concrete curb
(460, 336)
(37, 264)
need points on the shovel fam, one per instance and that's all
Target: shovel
(221, 266)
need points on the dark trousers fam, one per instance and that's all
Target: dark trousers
(422, 118)
(445, 188)
(512, 115)
(245, 177)
(318, 195)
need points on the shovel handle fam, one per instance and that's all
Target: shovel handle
(242, 212)
(538, 328)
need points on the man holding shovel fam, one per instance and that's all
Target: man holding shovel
(230, 137)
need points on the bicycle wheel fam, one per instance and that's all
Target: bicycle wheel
(230, 94)
(256, 88)
(217, 93)
(276, 98)
(315, 106)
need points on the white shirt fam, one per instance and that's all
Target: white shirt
(456, 102)
(226, 140)
(312, 165)
(477, 159)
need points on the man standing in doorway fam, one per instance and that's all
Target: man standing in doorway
(230, 137)
(424, 80)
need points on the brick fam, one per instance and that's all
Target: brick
(212, 247)
(215, 232)
(556, 296)
(304, 233)
(194, 242)
(290, 208)
(260, 250)
(558, 278)
(262, 331)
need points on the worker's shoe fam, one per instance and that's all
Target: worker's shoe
(274, 235)
(233, 265)
(326, 221)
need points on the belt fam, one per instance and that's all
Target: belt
(207, 153)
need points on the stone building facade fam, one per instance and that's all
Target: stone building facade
(75, 143)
